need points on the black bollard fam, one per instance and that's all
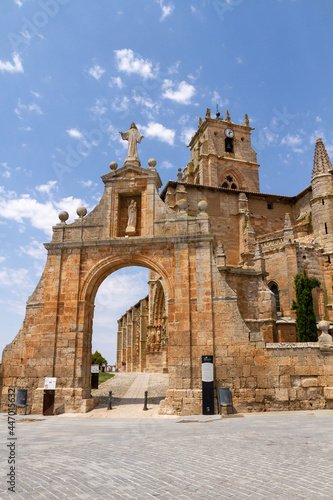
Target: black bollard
(145, 407)
(110, 400)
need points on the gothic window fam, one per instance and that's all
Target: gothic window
(229, 145)
(274, 288)
(229, 183)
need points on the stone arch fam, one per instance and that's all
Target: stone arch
(108, 265)
(95, 277)
(237, 177)
(274, 288)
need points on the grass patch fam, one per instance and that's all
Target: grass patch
(104, 376)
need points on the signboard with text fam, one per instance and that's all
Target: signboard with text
(94, 369)
(50, 383)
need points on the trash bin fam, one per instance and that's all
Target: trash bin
(224, 398)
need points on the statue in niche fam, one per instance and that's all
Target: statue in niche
(133, 137)
(132, 214)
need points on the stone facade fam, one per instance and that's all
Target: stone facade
(222, 257)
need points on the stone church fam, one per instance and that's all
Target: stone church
(222, 258)
(289, 234)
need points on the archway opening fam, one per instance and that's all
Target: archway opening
(117, 295)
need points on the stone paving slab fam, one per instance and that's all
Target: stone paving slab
(259, 456)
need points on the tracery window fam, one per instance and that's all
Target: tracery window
(229, 183)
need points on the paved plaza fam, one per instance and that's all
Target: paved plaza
(257, 456)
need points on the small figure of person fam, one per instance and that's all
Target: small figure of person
(132, 213)
(133, 137)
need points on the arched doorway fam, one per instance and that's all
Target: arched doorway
(116, 299)
(136, 344)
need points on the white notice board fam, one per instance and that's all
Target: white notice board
(50, 383)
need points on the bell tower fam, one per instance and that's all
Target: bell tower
(222, 155)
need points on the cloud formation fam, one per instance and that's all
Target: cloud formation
(96, 71)
(41, 215)
(167, 10)
(181, 93)
(131, 64)
(157, 131)
(12, 67)
(27, 108)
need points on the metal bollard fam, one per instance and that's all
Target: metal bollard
(110, 400)
(145, 407)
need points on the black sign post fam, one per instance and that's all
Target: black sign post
(22, 399)
(207, 385)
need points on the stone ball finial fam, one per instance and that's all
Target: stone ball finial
(63, 216)
(113, 165)
(152, 162)
(324, 327)
(182, 205)
(202, 206)
(81, 211)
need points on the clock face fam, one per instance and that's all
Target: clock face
(228, 132)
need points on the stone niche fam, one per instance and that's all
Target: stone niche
(124, 202)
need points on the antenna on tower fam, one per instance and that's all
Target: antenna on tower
(218, 114)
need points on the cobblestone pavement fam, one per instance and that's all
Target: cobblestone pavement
(128, 395)
(259, 456)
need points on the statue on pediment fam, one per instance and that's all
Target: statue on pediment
(133, 137)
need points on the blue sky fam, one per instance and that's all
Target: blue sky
(73, 73)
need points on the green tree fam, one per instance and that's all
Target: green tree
(305, 318)
(97, 359)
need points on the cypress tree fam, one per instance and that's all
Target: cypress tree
(305, 318)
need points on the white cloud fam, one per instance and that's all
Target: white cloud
(12, 67)
(75, 133)
(36, 94)
(194, 76)
(167, 10)
(2, 258)
(88, 183)
(187, 134)
(239, 60)
(173, 69)
(5, 170)
(318, 119)
(96, 71)
(116, 81)
(166, 164)
(100, 108)
(292, 140)
(28, 108)
(41, 215)
(47, 188)
(121, 103)
(130, 64)
(144, 101)
(17, 279)
(158, 131)
(34, 249)
(182, 93)
(122, 290)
